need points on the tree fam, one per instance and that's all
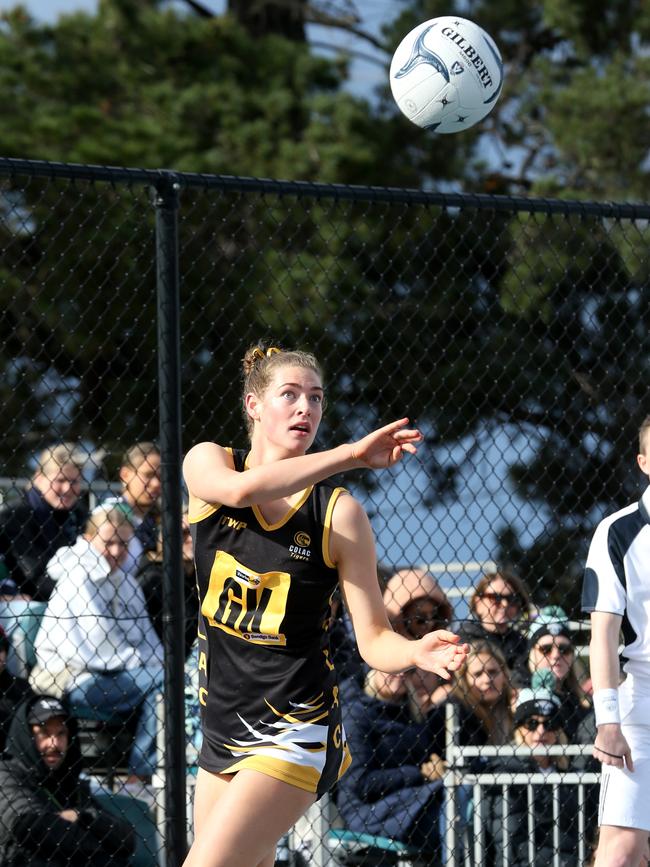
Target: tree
(473, 318)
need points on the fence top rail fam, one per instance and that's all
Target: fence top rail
(503, 778)
(165, 178)
(508, 750)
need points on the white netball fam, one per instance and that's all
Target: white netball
(446, 74)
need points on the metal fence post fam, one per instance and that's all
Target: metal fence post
(166, 203)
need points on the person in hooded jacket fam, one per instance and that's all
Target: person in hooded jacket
(48, 817)
(13, 690)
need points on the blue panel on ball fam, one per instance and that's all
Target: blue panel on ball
(421, 54)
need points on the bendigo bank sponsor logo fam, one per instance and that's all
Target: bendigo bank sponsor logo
(300, 550)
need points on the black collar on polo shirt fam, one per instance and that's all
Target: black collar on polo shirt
(644, 505)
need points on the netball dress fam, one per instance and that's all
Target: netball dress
(268, 692)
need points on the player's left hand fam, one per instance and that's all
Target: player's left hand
(440, 652)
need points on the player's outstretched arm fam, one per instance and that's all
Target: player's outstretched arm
(353, 551)
(210, 475)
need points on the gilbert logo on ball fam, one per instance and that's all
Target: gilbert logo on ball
(446, 74)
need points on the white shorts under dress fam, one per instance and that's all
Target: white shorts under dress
(625, 795)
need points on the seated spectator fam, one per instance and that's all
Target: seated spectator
(416, 605)
(13, 690)
(48, 817)
(483, 696)
(396, 734)
(537, 724)
(150, 578)
(141, 487)
(551, 648)
(498, 611)
(96, 643)
(47, 517)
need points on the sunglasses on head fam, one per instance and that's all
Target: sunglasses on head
(531, 724)
(500, 598)
(564, 649)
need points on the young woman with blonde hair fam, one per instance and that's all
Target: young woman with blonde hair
(272, 540)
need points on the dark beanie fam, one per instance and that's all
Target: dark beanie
(550, 621)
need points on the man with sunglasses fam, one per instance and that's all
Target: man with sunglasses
(616, 592)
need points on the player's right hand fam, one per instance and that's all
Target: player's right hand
(611, 748)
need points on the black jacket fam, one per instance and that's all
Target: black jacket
(150, 578)
(513, 644)
(384, 791)
(31, 532)
(515, 825)
(32, 833)
(13, 690)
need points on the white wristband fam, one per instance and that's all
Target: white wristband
(606, 706)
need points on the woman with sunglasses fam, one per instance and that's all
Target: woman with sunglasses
(499, 610)
(396, 731)
(551, 648)
(537, 724)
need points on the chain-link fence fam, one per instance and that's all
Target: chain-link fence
(513, 332)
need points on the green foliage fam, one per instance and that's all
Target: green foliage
(469, 317)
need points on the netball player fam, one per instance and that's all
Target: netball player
(616, 592)
(272, 539)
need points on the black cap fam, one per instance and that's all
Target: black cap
(44, 709)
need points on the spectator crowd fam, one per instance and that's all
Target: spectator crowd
(92, 576)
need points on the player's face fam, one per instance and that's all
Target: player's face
(554, 652)
(60, 487)
(486, 680)
(51, 741)
(291, 409)
(498, 606)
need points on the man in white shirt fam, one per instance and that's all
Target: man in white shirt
(616, 592)
(96, 642)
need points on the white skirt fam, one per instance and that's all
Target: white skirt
(625, 795)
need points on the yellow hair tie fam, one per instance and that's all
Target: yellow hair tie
(257, 353)
(272, 350)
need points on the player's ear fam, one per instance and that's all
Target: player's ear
(643, 463)
(252, 402)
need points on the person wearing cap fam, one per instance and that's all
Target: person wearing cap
(13, 690)
(48, 817)
(499, 609)
(551, 648)
(396, 732)
(537, 724)
(616, 594)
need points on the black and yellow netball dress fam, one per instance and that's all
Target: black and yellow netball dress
(269, 696)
